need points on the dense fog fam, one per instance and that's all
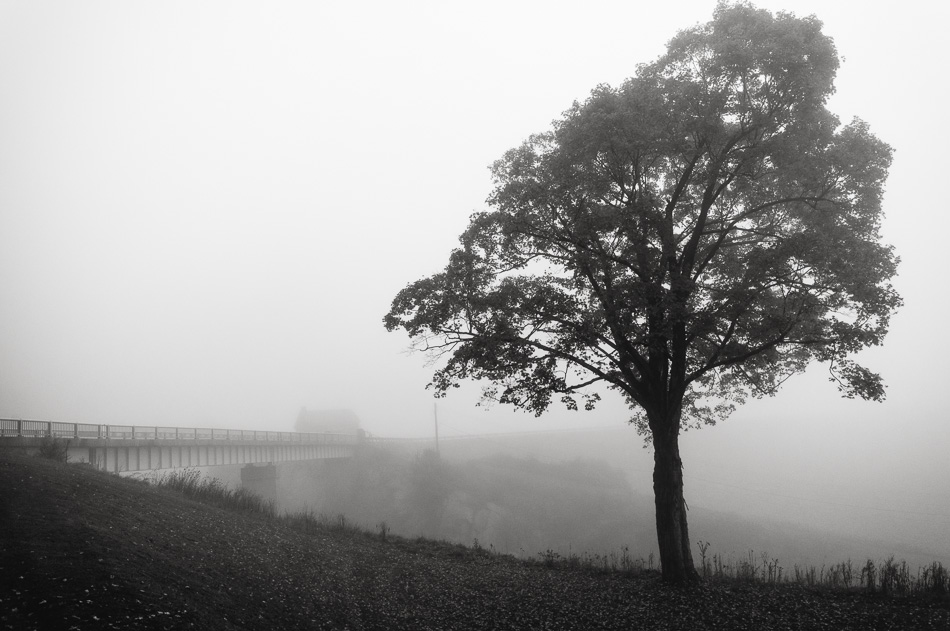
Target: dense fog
(576, 493)
(206, 209)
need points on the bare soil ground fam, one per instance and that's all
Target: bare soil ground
(80, 549)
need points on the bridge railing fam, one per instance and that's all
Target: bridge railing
(55, 429)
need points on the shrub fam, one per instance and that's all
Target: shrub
(54, 448)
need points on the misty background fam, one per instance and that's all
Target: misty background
(206, 209)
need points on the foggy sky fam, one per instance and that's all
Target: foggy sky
(206, 209)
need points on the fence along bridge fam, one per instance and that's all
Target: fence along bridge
(121, 448)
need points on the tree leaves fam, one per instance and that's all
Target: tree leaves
(704, 230)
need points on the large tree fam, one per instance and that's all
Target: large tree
(687, 239)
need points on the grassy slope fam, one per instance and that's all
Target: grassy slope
(85, 550)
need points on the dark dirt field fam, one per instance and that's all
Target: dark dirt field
(80, 549)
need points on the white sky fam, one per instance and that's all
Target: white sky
(207, 207)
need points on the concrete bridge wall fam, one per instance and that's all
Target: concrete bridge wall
(127, 448)
(175, 454)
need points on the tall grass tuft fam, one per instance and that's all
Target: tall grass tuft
(895, 577)
(189, 482)
(888, 578)
(935, 580)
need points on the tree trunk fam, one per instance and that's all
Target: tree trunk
(676, 558)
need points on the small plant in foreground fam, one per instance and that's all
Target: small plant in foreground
(935, 580)
(869, 576)
(894, 577)
(703, 547)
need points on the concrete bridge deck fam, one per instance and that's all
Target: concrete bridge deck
(120, 448)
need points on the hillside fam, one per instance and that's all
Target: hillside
(80, 549)
(736, 520)
(560, 497)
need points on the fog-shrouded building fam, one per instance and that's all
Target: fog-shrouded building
(334, 421)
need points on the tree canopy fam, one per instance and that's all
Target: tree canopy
(689, 238)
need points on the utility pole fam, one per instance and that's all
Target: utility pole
(435, 416)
